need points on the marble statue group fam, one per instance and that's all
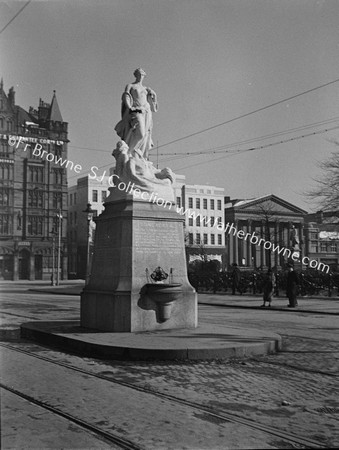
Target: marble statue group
(135, 131)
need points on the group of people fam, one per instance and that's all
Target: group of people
(292, 284)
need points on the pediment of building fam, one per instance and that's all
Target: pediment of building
(269, 205)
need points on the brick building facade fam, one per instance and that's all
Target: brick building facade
(33, 190)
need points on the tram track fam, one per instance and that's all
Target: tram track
(214, 415)
(111, 438)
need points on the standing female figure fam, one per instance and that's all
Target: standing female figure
(135, 126)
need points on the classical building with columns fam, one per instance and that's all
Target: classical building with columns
(269, 218)
(33, 190)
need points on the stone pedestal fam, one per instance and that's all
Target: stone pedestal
(132, 239)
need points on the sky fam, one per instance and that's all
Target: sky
(211, 62)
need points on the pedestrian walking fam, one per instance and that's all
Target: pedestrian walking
(236, 277)
(268, 288)
(292, 287)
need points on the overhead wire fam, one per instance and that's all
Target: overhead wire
(233, 152)
(262, 147)
(239, 117)
(226, 145)
(221, 148)
(16, 15)
(242, 116)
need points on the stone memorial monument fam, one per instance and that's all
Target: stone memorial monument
(138, 279)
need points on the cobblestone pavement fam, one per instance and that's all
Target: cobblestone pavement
(295, 391)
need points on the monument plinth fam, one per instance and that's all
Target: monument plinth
(132, 239)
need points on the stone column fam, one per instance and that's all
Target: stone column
(248, 244)
(262, 250)
(236, 243)
(275, 256)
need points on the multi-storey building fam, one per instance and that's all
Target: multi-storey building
(322, 237)
(269, 218)
(87, 190)
(203, 207)
(33, 190)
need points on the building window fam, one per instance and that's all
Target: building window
(5, 197)
(323, 247)
(103, 195)
(190, 238)
(219, 220)
(36, 174)
(212, 239)
(204, 221)
(190, 221)
(75, 217)
(35, 198)
(197, 238)
(70, 199)
(205, 203)
(6, 172)
(190, 202)
(94, 195)
(6, 224)
(219, 205)
(57, 176)
(205, 239)
(4, 150)
(334, 247)
(34, 226)
(212, 203)
(197, 203)
(57, 200)
(314, 247)
(219, 239)
(75, 198)
(9, 125)
(179, 201)
(71, 218)
(58, 151)
(1, 120)
(313, 235)
(212, 221)
(197, 222)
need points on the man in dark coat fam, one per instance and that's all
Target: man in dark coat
(236, 276)
(292, 287)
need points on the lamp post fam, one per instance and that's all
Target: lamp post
(53, 261)
(59, 216)
(89, 213)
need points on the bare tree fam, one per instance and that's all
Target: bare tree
(326, 192)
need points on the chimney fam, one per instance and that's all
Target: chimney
(11, 96)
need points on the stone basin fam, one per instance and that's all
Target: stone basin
(164, 294)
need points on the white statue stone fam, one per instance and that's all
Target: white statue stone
(131, 152)
(135, 126)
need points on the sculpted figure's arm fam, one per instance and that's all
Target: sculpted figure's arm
(152, 99)
(127, 98)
